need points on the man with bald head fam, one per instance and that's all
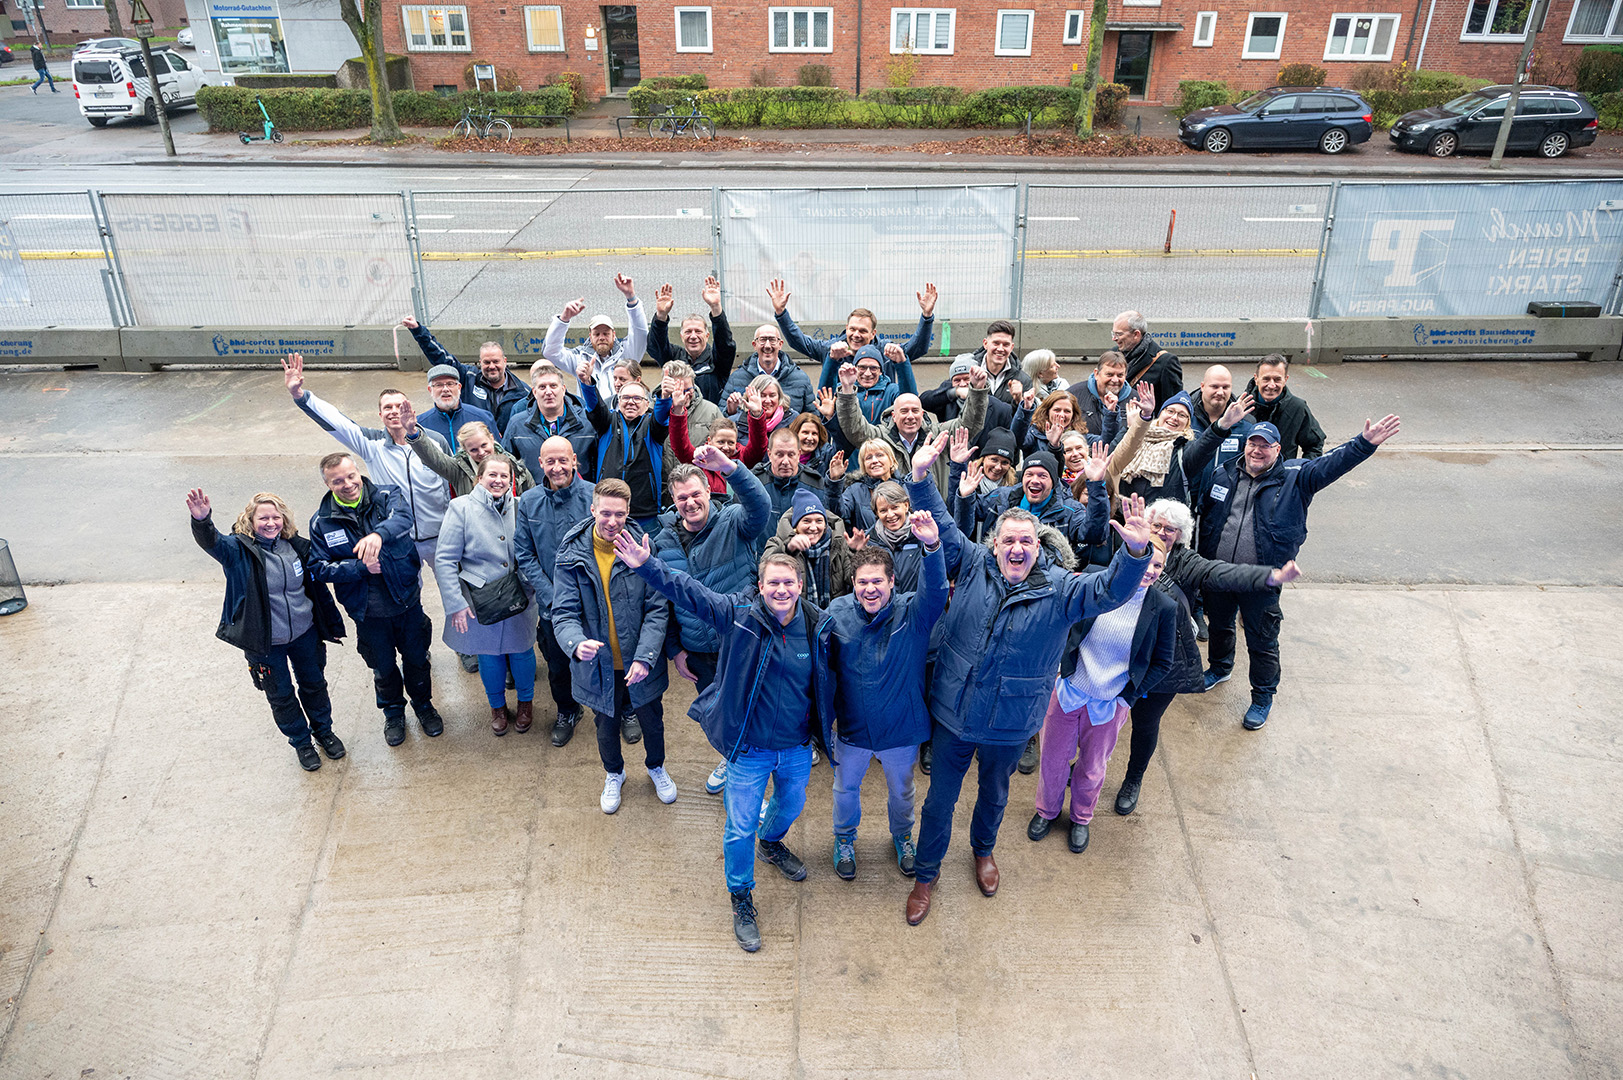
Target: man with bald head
(1146, 361)
(769, 359)
(560, 500)
(1211, 400)
(909, 427)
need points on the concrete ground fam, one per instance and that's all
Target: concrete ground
(1412, 870)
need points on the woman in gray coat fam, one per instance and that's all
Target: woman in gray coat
(476, 548)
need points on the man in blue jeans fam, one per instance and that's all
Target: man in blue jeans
(38, 56)
(770, 702)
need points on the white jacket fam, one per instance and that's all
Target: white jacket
(631, 347)
(427, 494)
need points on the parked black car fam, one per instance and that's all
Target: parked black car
(6, 56)
(1549, 121)
(1282, 117)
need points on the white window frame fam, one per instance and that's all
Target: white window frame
(533, 47)
(1031, 31)
(1250, 20)
(811, 14)
(709, 30)
(1081, 27)
(78, 5)
(1391, 41)
(1614, 25)
(1211, 29)
(1140, 3)
(1493, 9)
(425, 10)
(913, 26)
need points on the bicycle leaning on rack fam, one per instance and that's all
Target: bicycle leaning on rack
(485, 125)
(668, 123)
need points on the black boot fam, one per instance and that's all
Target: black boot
(784, 859)
(1127, 797)
(744, 928)
(1028, 760)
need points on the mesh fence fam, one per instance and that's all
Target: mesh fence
(1171, 252)
(516, 257)
(51, 262)
(262, 260)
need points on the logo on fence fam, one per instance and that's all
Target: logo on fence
(1417, 248)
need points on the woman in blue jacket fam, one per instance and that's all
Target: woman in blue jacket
(277, 614)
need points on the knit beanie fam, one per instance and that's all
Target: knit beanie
(805, 502)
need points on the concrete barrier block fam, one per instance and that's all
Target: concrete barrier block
(62, 346)
(1458, 336)
(1213, 338)
(148, 347)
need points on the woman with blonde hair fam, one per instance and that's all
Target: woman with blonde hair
(875, 463)
(277, 614)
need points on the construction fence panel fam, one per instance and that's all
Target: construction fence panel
(842, 248)
(1483, 249)
(262, 260)
(52, 262)
(515, 258)
(1172, 251)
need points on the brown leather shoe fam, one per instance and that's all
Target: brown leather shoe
(525, 717)
(498, 719)
(918, 902)
(986, 875)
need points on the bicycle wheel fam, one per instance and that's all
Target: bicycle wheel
(656, 127)
(702, 129)
(500, 129)
(463, 129)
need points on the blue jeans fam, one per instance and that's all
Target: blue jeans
(746, 783)
(952, 757)
(44, 76)
(378, 640)
(851, 769)
(493, 673)
(307, 654)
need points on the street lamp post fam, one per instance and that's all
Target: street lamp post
(141, 20)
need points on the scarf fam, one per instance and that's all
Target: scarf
(816, 558)
(1068, 476)
(892, 538)
(773, 419)
(1154, 458)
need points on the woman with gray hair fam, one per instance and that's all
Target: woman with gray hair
(1184, 575)
(1042, 372)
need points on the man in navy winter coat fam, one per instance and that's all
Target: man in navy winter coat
(492, 386)
(360, 542)
(450, 412)
(771, 702)
(1255, 514)
(1000, 646)
(554, 412)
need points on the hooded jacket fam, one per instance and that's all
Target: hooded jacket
(501, 402)
(858, 431)
(798, 395)
(720, 556)
(245, 618)
(640, 621)
(1283, 495)
(712, 367)
(1298, 429)
(745, 629)
(878, 661)
(389, 462)
(528, 429)
(334, 532)
(1094, 411)
(544, 516)
(1000, 644)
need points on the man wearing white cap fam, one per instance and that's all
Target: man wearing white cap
(602, 347)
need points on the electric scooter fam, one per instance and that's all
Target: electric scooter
(271, 134)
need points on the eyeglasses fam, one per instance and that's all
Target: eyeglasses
(767, 340)
(871, 368)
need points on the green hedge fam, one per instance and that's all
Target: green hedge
(920, 106)
(1108, 105)
(911, 106)
(1600, 70)
(776, 106)
(1610, 108)
(232, 108)
(1201, 94)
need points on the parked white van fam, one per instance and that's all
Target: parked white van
(113, 82)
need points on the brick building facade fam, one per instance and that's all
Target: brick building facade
(77, 20)
(1149, 44)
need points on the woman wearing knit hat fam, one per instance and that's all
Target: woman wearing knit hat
(808, 535)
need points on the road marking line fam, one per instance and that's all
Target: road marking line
(1314, 220)
(1156, 253)
(571, 253)
(1054, 219)
(504, 202)
(61, 255)
(50, 217)
(653, 217)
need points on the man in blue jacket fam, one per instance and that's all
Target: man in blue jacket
(360, 541)
(878, 645)
(562, 500)
(1001, 643)
(449, 413)
(771, 701)
(554, 412)
(1255, 514)
(491, 386)
(861, 328)
(768, 359)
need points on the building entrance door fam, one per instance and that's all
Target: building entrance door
(1133, 60)
(620, 34)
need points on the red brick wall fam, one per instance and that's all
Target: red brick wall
(739, 38)
(67, 24)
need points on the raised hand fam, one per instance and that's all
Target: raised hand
(839, 350)
(367, 548)
(587, 373)
(856, 539)
(679, 400)
(777, 291)
(960, 450)
(924, 527)
(826, 402)
(1109, 400)
(711, 295)
(1146, 400)
(664, 300)
(1055, 432)
(928, 451)
(1134, 529)
(632, 552)
(735, 403)
(711, 458)
(752, 401)
(848, 378)
(293, 372)
(627, 289)
(977, 378)
(1382, 429)
(836, 466)
(1097, 463)
(459, 621)
(197, 504)
(1015, 391)
(1285, 574)
(574, 308)
(409, 322)
(408, 417)
(1029, 400)
(927, 300)
(970, 482)
(636, 672)
(1238, 410)
(894, 353)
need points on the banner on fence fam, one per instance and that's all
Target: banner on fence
(845, 248)
(1471, 249)
(13, 275)
(263, 260)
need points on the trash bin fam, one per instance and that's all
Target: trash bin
(12, 599)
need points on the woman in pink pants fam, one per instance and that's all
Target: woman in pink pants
(1113, 660)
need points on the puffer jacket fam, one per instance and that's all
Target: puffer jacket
(334, 532)
(721, 556)
(858, 431)
(501, 402)
(544, 516)
(1000, 645)
(856, 501)
(640, 621)
(798, 394)
(879, 661)
(528, 429)
(746, 628)
(1083, 525)
(245, 618)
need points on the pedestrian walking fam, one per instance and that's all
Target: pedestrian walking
(37, 54)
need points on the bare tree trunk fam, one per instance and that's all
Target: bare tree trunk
(1090, 77)
(368, 34)
(114, 26)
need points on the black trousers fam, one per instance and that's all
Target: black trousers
(1147, 712)
(406, 634)
(1260, 614)
(558, 680)
(652, 718)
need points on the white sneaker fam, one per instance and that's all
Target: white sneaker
(664, 786)
(717, 778)
(610, 802)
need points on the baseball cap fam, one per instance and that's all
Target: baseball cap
(1265, 431)
(601, 320)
